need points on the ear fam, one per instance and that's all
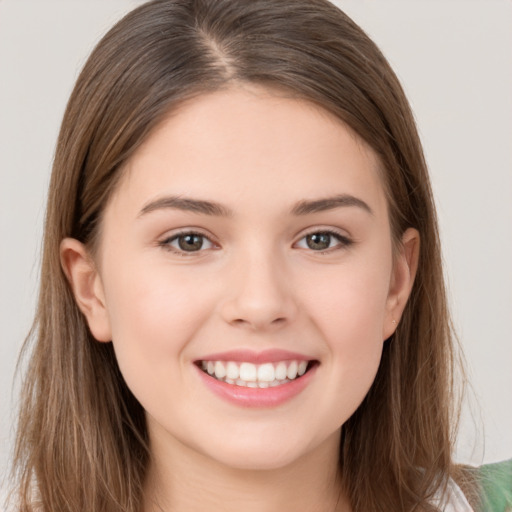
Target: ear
(87, 287)
(402, 279)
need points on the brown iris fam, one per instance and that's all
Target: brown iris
(190, 242)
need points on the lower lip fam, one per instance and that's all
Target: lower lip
(257, 397)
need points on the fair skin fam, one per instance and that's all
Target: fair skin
(175, 285)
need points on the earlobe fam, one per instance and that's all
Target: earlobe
(402, 279)
(87, 287)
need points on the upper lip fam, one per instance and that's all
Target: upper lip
(249, 356)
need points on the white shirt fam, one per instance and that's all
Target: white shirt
(453, 500)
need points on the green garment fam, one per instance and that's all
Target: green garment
(496, 485)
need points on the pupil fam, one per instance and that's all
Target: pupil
(318, 241)
(190, 242)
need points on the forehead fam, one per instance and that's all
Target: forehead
(248, 143)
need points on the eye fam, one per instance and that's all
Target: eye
(187, 242)
(323, 241)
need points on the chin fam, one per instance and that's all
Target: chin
(257, 460)
(264, 454)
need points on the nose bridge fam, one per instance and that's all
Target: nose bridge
(260, 296)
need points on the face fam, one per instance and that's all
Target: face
(246, 277)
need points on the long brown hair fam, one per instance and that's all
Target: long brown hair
(82, 441)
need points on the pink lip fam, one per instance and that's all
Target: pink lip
(266, 356)
(257, 397)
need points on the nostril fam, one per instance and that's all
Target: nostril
(258, 323)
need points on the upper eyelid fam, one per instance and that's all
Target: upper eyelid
(186, 231)
(324, 229)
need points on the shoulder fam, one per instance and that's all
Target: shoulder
(495, 482)
(486, 488)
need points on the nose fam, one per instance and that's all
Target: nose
(260, 295)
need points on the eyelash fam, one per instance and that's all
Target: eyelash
(343, 241)
(166, 243)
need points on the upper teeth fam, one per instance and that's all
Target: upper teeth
(246, 374)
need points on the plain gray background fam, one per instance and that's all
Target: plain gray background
(455, 61)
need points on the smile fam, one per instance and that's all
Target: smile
(246, 374)
(249, 379)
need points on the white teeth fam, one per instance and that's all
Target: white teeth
(281, 371)
(292, 370)
(255, 376)
(266, 372)
(220, 370)
(232, 371)
(248, 372)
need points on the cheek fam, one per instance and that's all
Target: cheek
(351, 320)
(349, 311)
(349, 303)
(153, 314)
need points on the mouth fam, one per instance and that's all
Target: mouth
(250, 375)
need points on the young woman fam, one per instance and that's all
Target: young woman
(242, 302)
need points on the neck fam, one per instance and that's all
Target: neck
(182, 480)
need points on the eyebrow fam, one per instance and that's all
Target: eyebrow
(187, 204)
(212, 208)
(329, 203)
